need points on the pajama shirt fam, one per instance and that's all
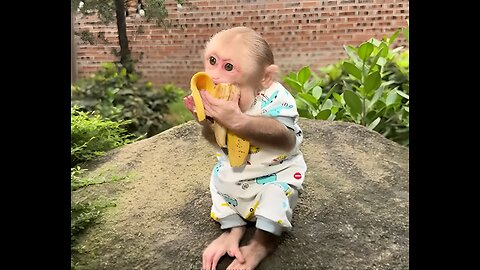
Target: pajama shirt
(266, 188)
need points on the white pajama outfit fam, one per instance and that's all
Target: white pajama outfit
(265, 189)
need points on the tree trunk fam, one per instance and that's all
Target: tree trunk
(73, 52)
(125, 55)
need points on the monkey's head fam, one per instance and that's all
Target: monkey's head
(242, 57)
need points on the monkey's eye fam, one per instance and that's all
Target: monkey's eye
(228, 67)
(212, 60)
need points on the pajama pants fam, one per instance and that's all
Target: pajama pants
(271, 207)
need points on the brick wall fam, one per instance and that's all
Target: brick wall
(299, 32)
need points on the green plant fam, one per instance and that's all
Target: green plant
(84, 214)
(79, 181)
(118, 96)
(369, 88)
(178, 113)
(92, 136)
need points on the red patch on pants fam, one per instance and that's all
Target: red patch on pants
(297, 175)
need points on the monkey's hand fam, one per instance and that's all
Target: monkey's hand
(225, 112)
(188, 102)
(190, 105)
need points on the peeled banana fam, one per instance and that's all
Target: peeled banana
(237, 147)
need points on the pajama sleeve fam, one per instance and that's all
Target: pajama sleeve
(279, 104)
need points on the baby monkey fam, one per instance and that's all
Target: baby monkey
(265, 189)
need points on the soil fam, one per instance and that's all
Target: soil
(353, 213)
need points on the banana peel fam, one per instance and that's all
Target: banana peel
(237, 147)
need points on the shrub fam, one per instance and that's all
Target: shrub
(83, 215)
(117, 96)
(369, 88)
(92, 136)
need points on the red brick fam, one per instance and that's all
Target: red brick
(174, 55)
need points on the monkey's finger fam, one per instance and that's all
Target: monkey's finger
(216, 258)
(190, 105)
(237, 254)
(211, 99)
(188, 102)
(235, 97)
(208, 105)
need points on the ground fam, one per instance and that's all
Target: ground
(353, 213)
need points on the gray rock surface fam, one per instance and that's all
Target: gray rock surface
(353, 213)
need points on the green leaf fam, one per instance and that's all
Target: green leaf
(309, 85)
(330, 91)
(305, 107)
(391, 98)
(374, 123)
(365, 50)
(405, 33)
(396, 50)
(301, 105)
(377, 95)
(374, 62)
(313, 111)
(304, 113)
(375, 42)
(384, 48)
(294, 84)
(393, 37)
(338, 98)
(323, 115)
(381, 112)
(317, 92)
(303, 75)
(293, 75)
(382, 61)
(334, 109)
(327, 96)
(403, 94)
(331, 117)
(327, 105)
(352, 70)
(309, 98)
(353, 102)
(351, 52)
(406, 109)
(372, 82)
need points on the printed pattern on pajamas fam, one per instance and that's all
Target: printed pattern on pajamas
(265, 190)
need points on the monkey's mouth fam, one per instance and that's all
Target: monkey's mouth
(217, 81)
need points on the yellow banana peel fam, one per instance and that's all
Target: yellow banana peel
(201, 80)
(237, 147)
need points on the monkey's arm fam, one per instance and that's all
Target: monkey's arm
(263, 131)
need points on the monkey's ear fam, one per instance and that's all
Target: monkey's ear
(269, 76)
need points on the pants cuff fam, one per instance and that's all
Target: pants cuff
(231, 221)
(268, 225)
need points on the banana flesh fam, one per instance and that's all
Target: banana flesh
(237, 147)
(222, 91)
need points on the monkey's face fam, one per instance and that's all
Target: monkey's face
(222, 70)
(227, 61)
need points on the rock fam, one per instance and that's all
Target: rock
(353, 213)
